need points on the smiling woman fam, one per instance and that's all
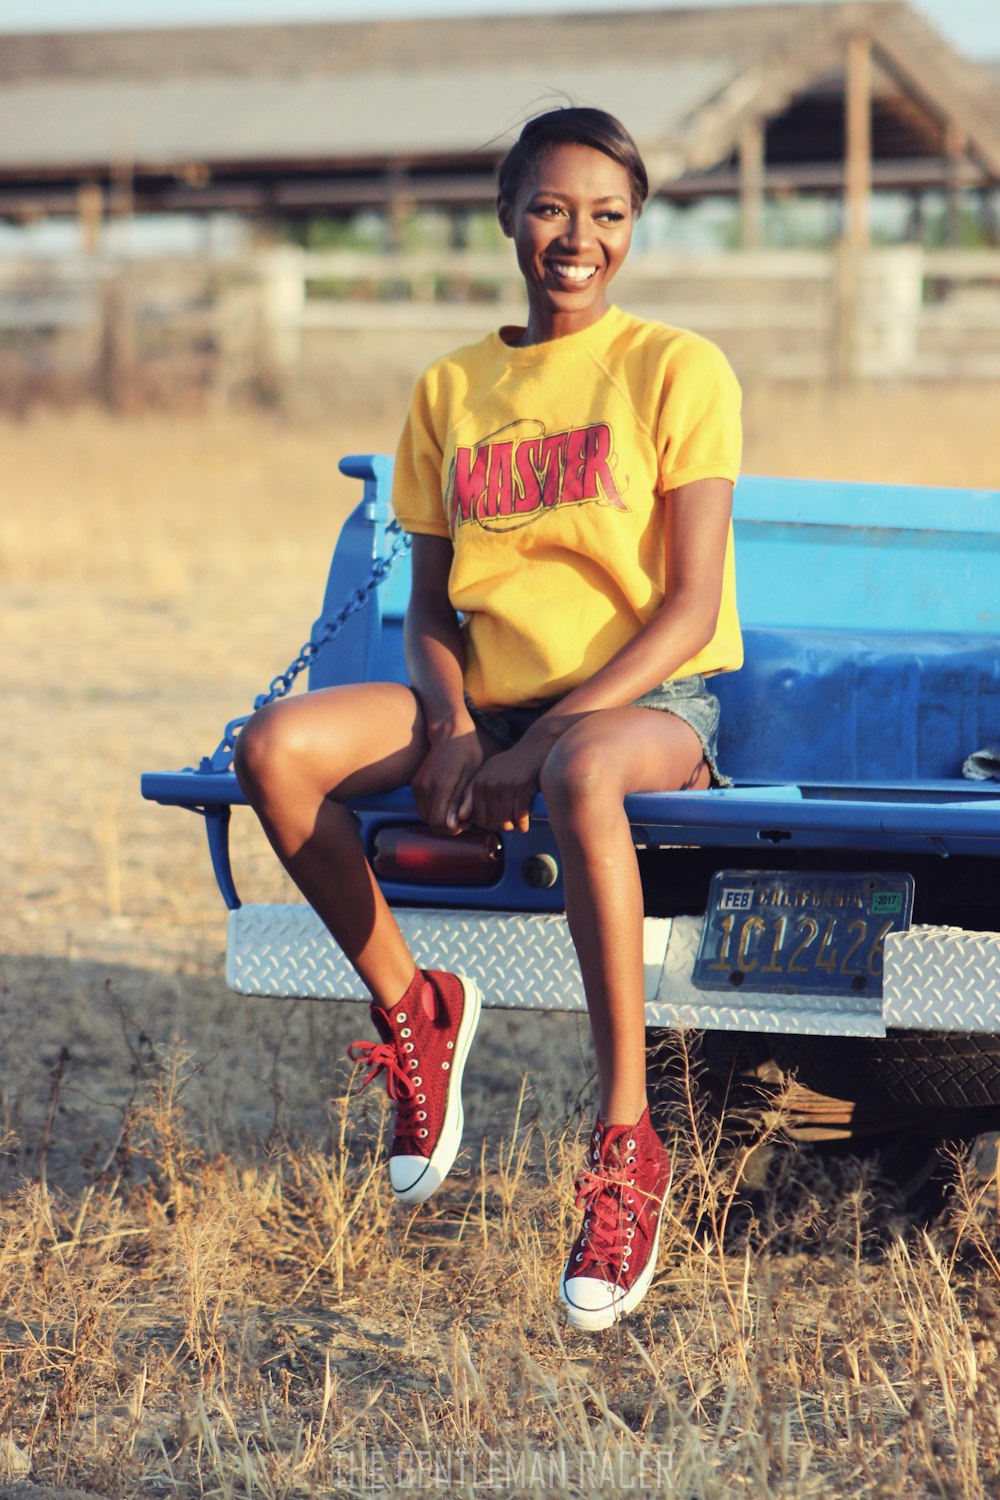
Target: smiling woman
(568, 486)
(569, 194)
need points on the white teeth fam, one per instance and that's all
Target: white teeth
(573, 272)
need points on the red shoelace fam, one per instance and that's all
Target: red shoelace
(607, 1218)
(380, 1057)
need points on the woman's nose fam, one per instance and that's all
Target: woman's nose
(575, 235)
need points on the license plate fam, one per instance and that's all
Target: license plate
(784, 933)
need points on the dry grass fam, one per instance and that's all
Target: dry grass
(205, 1289)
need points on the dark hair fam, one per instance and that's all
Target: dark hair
(573, 126)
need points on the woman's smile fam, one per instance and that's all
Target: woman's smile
(568, 271)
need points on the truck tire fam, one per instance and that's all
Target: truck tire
(923, 1071)
(906, 1075)
(908, 1099)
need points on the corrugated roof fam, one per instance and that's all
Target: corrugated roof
(374, 114)
(292, 50)
(337, 95)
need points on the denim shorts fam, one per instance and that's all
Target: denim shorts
(686, 698)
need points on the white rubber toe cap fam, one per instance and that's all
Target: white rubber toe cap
(590, 1303)
(413, 1178)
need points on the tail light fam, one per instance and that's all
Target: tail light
(411, 852)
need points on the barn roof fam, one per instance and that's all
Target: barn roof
(196, 104)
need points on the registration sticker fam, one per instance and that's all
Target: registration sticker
(786, 932)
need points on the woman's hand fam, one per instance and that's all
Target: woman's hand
(498, 797)
(442, 781)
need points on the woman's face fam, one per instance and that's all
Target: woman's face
(571, 224)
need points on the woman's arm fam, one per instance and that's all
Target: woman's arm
(435, 658)
(698, 517)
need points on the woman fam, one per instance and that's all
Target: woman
(568, 486)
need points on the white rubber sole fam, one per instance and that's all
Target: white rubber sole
(432, 1170)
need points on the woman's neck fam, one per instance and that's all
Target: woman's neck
(542, 329)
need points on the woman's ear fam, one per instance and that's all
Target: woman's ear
(505, 217)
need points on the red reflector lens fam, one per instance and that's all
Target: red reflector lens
(413, 853)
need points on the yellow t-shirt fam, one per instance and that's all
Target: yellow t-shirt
(547, 467)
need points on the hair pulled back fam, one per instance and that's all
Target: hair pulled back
(575, 125)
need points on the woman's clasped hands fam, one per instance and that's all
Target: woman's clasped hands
(459, 786)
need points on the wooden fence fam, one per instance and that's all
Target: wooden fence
(153, 330)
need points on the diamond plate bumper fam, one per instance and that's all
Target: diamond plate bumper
(942, 979)
(936, 979)
(517, 960)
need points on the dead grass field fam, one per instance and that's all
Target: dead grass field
(204, 1290)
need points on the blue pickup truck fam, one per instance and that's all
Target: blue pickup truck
(834, 917)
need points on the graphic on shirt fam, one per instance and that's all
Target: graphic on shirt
(509, 481)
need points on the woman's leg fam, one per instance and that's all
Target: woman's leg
(621, 1193)
(584, 781)
(297, 762)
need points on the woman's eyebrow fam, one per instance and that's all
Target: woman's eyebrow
(544, 192)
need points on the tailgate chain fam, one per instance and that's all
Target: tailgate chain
(222, 756)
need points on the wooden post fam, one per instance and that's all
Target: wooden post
(751, 149)
(283, 290)
(858, 140)
(399, 209)
(90, 211)
(117, 359)
(954, 145)
(845, 312)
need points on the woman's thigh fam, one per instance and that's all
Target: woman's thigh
(615, 751)
(340, 741)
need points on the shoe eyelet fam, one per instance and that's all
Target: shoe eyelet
(579, 1255)
(630, 1161)
(418, 1081)
(422, 1134)
(630, 1215)
(630, 1146)
(411, 1062)
(407, 1046)
(406, 1031)
(450, 1045)
(421, 1114)
(629, 1233)
(630, 1199)
(401, 1017)
(422, 1099)
(597, 1154)
(446, 1065)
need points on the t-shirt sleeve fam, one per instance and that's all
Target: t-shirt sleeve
(417, 497)
(699, 434)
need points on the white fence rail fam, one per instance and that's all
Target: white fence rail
(887, 313)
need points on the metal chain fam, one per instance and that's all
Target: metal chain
(221, 757)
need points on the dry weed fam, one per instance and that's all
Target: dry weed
(194, 1325)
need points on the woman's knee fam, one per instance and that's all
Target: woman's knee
(271, 746)
(576, 779)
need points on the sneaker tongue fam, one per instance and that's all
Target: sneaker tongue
(380, 1022)
(428, 1000)
(613, 1145)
